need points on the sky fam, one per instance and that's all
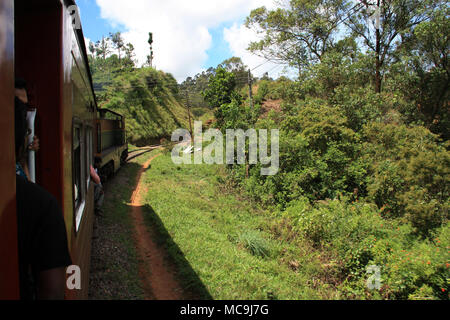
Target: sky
(188, 36)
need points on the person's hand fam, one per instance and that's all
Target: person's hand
(34, 146)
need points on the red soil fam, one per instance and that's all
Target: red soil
(156, 273)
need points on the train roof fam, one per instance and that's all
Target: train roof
(80, 37)
(103, 111)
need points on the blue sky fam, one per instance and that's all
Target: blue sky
(219, 50)
(94, 26)
(189, 36)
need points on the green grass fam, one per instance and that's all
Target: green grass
(132, 147)
(225, 247)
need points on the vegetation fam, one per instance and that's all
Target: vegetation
(223, 247)
(364, 155)
(364, 151)
(149, 99)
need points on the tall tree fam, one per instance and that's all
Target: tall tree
(220, 92)
(117, 40)
(299, 33)
(428, 52)
(220, 87)
(380, 23)
(103, 48)
(236, 66)
(129, 54)
(92, 48)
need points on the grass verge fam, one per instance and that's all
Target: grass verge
(223, 246)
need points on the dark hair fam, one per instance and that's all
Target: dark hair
(20, 122)
(20, 83)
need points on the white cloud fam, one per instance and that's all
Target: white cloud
(239, 37)
(180, 28)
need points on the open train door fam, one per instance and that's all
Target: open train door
(9, 274)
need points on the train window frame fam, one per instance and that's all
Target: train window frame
(99, 138)
(89, 153)
(79, 204)
(76, 182)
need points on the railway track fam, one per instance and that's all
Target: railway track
(135, 153)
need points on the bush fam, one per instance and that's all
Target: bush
(319, 158)
(254, 242)
(360, 237)
(410, 175)
(263, 90)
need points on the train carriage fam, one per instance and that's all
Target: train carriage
(40, 43)
(112, 147)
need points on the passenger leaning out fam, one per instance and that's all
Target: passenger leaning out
(22, 95)
(42, 238)
(98, 187)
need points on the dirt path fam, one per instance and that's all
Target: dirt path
(156, 274)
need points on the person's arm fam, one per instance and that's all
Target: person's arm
(51, 284)
(95, 176)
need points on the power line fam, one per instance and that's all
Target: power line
(267, 60)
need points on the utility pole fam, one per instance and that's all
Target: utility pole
(189, 114)
(150, 42)
(250, 88)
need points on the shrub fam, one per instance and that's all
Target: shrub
(263, 90)
(360, 237)
(410, 175)
(254, 242)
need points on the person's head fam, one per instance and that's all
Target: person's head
(20, 86)
(97, 162)
(21, 128)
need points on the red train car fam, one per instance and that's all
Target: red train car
(42, 42)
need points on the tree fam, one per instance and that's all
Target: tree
(220, 91)
(117, 40)
(236, 66)
(103, 47)
(391, 20)
(220, 87)
(428, 52)
(299, 34)
(129, 55)
(233, 64)
(92, 48)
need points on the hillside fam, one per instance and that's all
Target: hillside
(362, 178)
(150, 103)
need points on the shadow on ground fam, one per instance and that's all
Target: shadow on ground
(114, 271)
(187, 277)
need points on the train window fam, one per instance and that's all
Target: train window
(89, 153)
(99, 138)
(79, 172)
(77, 165)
